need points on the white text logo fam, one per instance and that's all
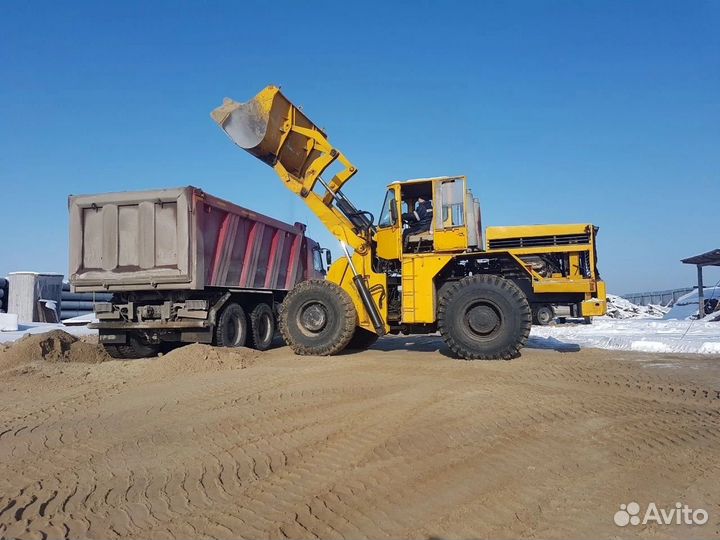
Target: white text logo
(680, 514)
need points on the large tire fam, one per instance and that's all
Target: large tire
(362, 339)
(133, 348)
(317, 318)
(231, 330)
(484, 317)
(115, 350)
(543, 315)
(262, 327)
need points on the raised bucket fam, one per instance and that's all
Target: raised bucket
(263, 127)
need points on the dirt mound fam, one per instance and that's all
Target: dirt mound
(54, 346)
(398, 443)
(197, 358)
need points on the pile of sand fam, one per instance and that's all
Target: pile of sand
(197, 358)
(54, 346)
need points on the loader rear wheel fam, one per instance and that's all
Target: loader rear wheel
(262, 327)
(362, 339)
(317, 318)
(484, 317)
(133, 348)
(231, 330)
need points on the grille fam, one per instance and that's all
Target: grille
(540, 241)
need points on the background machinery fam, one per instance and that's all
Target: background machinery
(441, 279)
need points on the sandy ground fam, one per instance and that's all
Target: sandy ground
(399, 441)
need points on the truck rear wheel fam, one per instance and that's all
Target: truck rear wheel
(317, 318)
(362, 339)
(231, 328)
(262, 327)
(543, 315)
(484, 317)
(133, 348)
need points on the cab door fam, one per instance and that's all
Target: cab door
(450, 231)
(389, 230)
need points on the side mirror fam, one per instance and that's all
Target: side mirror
(328, 257)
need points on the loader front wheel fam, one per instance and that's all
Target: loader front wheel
(317, 318)
(484, 317)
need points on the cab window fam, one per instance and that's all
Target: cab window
(388, 215)
(317, 261)
(451, 197)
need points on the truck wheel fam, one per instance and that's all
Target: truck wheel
(262, 327)
(317, 318)
(543, 315)
(362, 339)
(484, 317)
(132, 349)
(116, 351)
(231, 328)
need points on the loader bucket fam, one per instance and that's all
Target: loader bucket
(262, 127)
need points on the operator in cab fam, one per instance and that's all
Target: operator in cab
(419, 220)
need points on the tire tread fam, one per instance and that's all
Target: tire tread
(349, 321)
(514, 294)
(254, 322)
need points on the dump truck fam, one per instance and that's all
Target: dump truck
(406, 272)
(184, 266)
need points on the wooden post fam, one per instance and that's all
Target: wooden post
(701, 298)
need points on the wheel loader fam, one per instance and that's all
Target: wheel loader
(406, 275)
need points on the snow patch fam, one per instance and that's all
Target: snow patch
(710, 347)
(686, 307)
(8, 322)
(646, 335)
(620, 308)
(81, 319)
(649, 346)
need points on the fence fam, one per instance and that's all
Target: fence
(661, 298)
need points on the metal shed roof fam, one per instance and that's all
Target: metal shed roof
(711, 258)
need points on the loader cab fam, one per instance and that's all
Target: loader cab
(455, 223)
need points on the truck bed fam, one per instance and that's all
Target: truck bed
(181, 239)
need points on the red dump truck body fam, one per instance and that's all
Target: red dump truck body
(182, 238)
(184, 266)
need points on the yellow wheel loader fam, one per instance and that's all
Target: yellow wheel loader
(422, 267)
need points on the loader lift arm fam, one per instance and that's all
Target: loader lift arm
(275, 131)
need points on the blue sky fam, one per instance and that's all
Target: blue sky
(603, 112)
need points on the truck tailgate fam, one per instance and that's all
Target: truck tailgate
(132, 238)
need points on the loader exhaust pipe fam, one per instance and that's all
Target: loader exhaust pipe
(365, 296)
